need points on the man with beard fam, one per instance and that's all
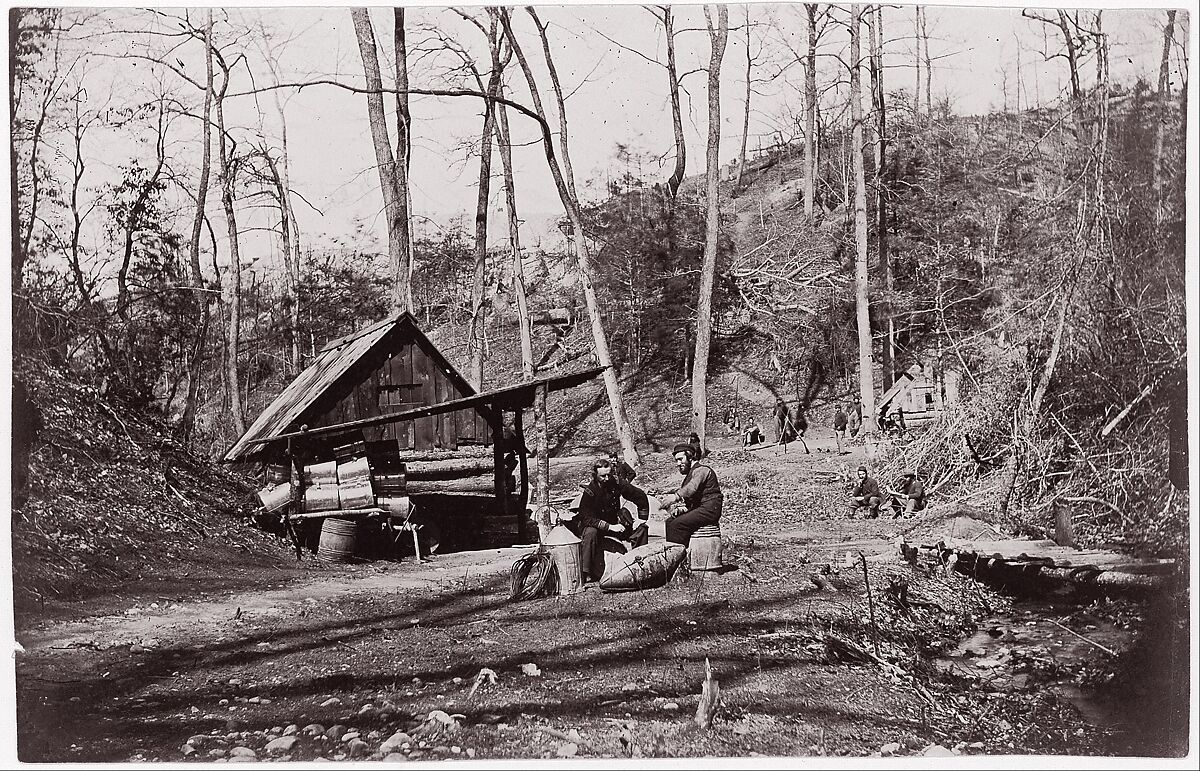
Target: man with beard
(601, 514)
(698, 500)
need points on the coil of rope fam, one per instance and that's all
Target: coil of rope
(533, 576)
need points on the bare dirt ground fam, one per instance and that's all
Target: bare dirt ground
(432, 660)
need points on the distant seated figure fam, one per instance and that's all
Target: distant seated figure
(601, 514)
(909, 496)
(865, 495)
(752, 434)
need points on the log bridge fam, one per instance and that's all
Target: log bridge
(1029, 562)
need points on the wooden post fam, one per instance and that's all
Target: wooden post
(501, 489)
(543, 461)
(870, 603)
(523, 465)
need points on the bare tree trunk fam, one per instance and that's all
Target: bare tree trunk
(1164, 100)
(881, 221)
(403, 155)
(810, 113)
(676, 112)
(583, 255)
(233, 287)
(916, 103)
(395, 206)
(928, 64)
(564, 151)
(866, 360)
(514, 240)
(737, 185)
(712, 231)
(475, 339)
(202, 299)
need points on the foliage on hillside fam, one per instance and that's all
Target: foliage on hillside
(112, 501)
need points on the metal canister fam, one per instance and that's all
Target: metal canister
(563, 546)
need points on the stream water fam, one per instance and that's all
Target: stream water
(1027, 648)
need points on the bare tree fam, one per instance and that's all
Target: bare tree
(866, 359)
(1164, 101)
(395, 200)
(718, 36)
(202, 299)
(583, 256)
(811, 12)
(875, 25)
(746, 112)
(232, 288)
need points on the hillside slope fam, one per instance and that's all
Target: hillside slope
(115, 505)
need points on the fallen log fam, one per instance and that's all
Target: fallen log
(448, 468)
(472, 484)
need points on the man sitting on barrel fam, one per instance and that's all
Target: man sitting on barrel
(698, 500)
(601, 514)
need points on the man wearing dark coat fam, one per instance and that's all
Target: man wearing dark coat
(865, 495)
(601, 514)
(697, 501)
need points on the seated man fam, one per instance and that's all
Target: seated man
(909, 497)
(601, 514)
(698, 500)
(752, 434)
(865, 495)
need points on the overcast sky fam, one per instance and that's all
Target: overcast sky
(617, 97)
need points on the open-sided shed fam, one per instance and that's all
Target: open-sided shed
(381, 424)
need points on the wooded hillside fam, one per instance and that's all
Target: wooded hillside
(1037, 252)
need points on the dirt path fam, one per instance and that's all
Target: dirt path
(169, 622)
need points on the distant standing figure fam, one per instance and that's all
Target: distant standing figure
(865, 495)
(855, 416)
(840, 421)
(782, 422)
(799, 426)
(694, 441)
(698, 500)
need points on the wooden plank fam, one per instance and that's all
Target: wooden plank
(445, 434)
(406, 431)
(426, 428)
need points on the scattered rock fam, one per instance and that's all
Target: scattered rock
(368, 709)
(291, 730)
(395, 742)
(187, 750)
(889, 749)
(670, 706)
(242, 752)
(568, 750)
(216, 752)
(629, 687)
(313, 729)
(393, 757)
(470, 752)
(531, 670)
(336, 732)
(281, 745)
(332, 701)
(350, 736)
(357, 748)
(937, 751)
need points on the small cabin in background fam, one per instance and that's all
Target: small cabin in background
(381, 443)
(919, 395)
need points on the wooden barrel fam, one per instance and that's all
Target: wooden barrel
(704, 550)
(338, 538)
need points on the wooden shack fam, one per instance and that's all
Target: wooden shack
(919, 394)
(381, 430)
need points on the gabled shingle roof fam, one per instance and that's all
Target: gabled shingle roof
(334, 360)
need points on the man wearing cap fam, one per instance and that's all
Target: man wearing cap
(601, 514)
(865, 495)
(910, 494)
(697, 501)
